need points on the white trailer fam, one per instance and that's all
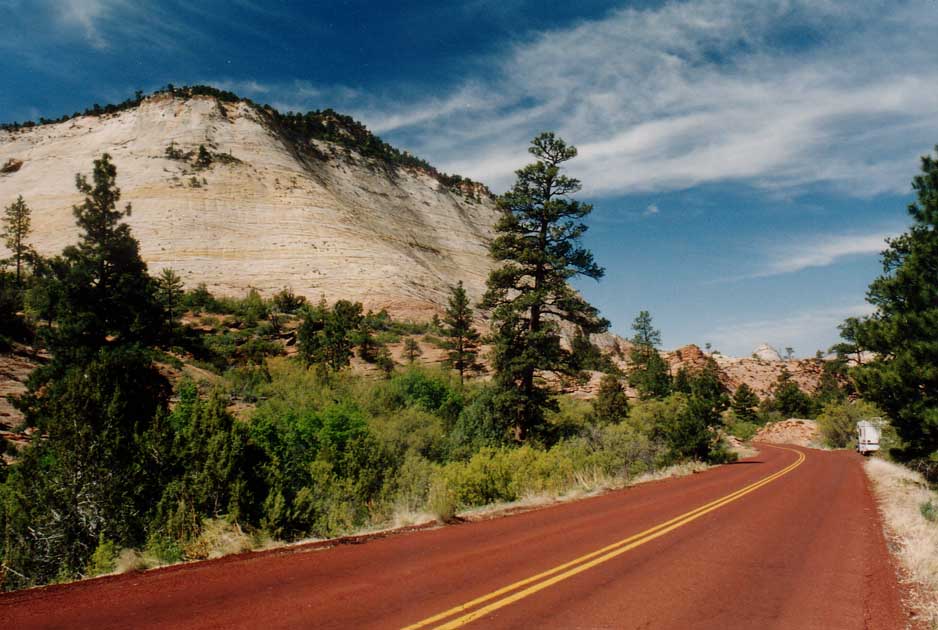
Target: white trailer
(868, 434)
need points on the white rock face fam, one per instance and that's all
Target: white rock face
(342, 227)
(766, 353)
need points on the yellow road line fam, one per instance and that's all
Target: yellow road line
(593, 558)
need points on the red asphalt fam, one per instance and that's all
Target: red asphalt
(804, 551)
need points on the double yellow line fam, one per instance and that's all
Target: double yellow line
(578, 565)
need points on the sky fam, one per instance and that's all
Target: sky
(746, 160)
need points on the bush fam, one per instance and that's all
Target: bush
(741, 429)
(929, 511)
(104, 558)
(838, 421)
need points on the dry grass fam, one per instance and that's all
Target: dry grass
(901, 494)
(218, 538)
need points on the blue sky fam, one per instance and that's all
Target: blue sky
(745, 159)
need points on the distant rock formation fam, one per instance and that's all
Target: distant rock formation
(766, 352)
(265, 205)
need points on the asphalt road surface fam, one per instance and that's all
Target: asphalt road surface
(788, 539)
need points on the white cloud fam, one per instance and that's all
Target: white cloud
(805, 331)
(651, 210)
(85, 14)
(703, 91)
(824, 252)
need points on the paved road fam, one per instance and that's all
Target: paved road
(788, 539)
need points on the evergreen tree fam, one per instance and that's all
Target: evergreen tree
(462, 339)
(788, 397)
(170, 293)
(385, 361)
(538, 251)
(327, 336)
(611, 404)
(745, 403)
(93, 473)
(16, 230)
(649, 373)
(203, 159)
(103, 295)
(903, 331)
(411, 349)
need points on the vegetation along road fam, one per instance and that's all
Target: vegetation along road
(787, 539)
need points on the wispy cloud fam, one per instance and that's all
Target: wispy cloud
(805, 331)
(703, 91)
(86, 14)
(823, 252)
(651, 210)
(816, 251)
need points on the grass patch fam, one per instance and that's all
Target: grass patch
(909, 509)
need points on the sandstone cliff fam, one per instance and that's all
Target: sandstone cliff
(324, 220)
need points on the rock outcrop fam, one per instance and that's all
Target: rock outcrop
(324, 220)
(765, 352)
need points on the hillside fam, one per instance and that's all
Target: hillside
(276, 206)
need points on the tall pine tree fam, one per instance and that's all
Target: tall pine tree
(462, 340)
(649, 373)
(903, 331)
(538, 248)
(16, 230)
(104, 295)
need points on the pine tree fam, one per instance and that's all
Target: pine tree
(649, 373)
(745, 402)
(327, 336)
(16, 230)
(903, 331)
(102, 293)
(169, 292)
(538, 251)
(788, 397)
(611, 403)
(411, 349)
(203, 159)
(462, 339)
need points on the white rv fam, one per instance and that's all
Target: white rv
(868, 436)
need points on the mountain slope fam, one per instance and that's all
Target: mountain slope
(267, 212)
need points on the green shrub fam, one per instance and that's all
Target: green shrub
(414, 481)
(741, 429)
(442, 500)
(411, 430)
(837, 421)
(929, 510)
(104, 558)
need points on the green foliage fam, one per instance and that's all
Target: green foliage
(929, 511)
(587, 356)
(169, 295)
(745, 404)
(479, 424)
(93, 474)
(903, 331)
(102, 293)
(611, 404)
(326, 336)
(16, 230)
(788, 399)
(837, 421)
(203, 158)
(104, 558)
(648, 373)
(745, 430)
(461, 340)
(285, 301)
(537, 249)
(411, 349)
